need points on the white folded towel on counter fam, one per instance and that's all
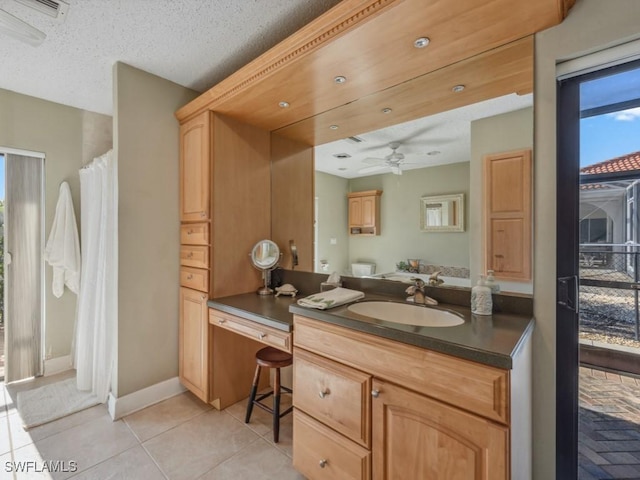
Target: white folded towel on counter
(332, 298)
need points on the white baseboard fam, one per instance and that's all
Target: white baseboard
(57, 365)
(119, 407)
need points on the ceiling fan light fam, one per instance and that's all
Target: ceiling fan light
(16, 28)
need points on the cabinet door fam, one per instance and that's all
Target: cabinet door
(355, 212)
(368, 211)
(507, 204)
(193, 340)
(417, 437)
(195, 158)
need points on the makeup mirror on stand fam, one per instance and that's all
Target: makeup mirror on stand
(265, 256)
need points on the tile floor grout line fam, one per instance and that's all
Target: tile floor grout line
(257, 439)
(164, 474)
(164, 431)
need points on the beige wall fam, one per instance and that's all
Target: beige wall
(146, 144)
(333, 217)
(592, 25)
(401, 237)
(68, 137)
(501, 133)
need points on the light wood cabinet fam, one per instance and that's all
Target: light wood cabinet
(420, 413)
(507, 214)
(193, 347)
(364, 212)
(195, 158)
(224, 180)
(418, 437)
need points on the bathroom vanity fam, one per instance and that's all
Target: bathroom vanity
(378, 399)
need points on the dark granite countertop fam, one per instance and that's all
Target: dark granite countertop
(492, 340)
(264, 309)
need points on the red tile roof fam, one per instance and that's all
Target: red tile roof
(626, 163)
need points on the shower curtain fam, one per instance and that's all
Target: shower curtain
(97, 312)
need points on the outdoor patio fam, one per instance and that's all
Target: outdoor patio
(609, 426)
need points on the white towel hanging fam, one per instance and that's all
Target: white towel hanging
(62, 251)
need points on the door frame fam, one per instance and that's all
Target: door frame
(567, 249)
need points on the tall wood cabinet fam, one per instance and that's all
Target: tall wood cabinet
(507, 214)
(224, 178)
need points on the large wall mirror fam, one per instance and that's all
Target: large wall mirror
(435, 156)
(423, 138)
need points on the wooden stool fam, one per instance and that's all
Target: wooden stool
(270, 357)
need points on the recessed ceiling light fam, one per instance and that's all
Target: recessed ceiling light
(340, 79)
(387, 110)
(421, 42)
(457, 88)
(333, 127)
(434, 152)
(284, 104)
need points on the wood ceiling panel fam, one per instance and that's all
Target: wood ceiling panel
(371, 43)
(504, 70)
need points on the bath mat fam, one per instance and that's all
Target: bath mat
(51, 402)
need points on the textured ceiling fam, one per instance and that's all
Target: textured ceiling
(194, 43)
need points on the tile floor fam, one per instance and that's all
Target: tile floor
(182, 438)
(179, 438)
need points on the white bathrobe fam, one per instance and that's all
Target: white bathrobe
(63, 246)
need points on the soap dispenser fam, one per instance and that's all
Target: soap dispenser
(481, 303)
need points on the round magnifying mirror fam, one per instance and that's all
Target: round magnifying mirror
(265, 255)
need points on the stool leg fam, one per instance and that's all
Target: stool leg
(252, 396)
(276, 407)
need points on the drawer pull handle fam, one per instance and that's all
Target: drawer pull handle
(262, 335)
(202, 214)
(323, 393)
(221, 321)
(322, 463)
(375, 393)
(190, 255)
(189, 232)
(190, 277)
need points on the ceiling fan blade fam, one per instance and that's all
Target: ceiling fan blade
(416, 134)
(373, 169)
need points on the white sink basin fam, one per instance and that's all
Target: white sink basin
(406, 314)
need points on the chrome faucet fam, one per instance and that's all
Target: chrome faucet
(418, 295)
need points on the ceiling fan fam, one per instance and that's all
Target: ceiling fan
(393, 161)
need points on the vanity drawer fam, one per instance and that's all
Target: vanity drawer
(474, 387)
(338, 396)
(194, 256)
(196, 278)
(267, 335)
(321, 453)
(194, 233)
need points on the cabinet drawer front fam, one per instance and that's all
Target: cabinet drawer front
(267, 335)
(194, 256)
(194, 234)
(196, 278)
(471, 386)
(336, 395)
(321, 453)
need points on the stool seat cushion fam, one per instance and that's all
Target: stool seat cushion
(273, 358)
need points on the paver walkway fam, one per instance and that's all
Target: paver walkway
(609, 426)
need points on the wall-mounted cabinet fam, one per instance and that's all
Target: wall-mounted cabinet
(507, 214)
(364, 212)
